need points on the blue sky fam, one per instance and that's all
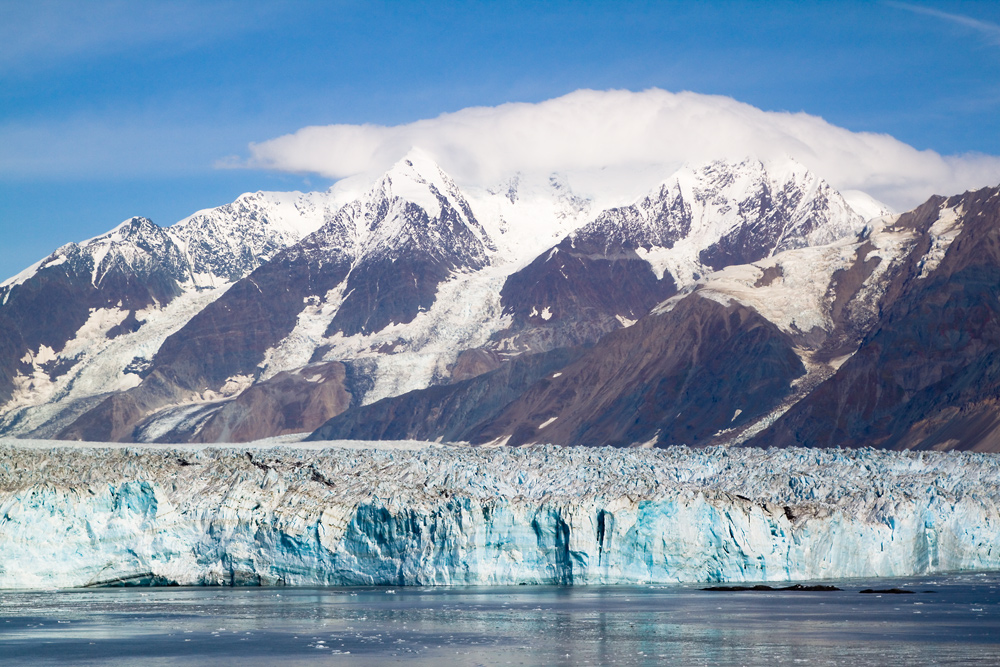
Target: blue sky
(112, 109)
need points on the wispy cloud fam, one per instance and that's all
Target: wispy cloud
(611, 133)
(991, 31)
(43, 33)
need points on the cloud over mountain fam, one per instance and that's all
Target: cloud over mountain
(619, 132)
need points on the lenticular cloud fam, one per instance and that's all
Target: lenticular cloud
(617, 132)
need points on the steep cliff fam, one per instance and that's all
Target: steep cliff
(427, 515)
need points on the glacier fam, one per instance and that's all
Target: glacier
(411, 513)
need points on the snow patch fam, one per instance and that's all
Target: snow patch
(865, 205)
(236, 384)
(624, 321)
(945, 230)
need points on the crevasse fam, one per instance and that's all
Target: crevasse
(433, 515)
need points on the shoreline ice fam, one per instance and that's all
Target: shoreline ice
(279, 512)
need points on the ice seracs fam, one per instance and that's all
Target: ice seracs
(422, 514)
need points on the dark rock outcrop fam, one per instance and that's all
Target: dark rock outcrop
(286, 403)
(674, 378)
(577, 292)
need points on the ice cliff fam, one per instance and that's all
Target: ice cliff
(422, 514)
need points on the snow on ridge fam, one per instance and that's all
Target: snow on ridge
(26, 274)
(526, 215)
(865, 205)
(465, 313)
(423, 349)
(797, 298)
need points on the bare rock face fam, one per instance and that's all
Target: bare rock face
(678, 377)
(576, 293)
(286, 403)
(114, 418)
(451, 413)
(471, 363)
(927, 376)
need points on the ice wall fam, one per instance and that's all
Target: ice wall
(450, 515)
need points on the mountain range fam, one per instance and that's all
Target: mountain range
(736, 303)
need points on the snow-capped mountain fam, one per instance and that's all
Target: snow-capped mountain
(87, 320)
(886, 338)
(339, 301)
(227, 243)
(614, 269)
(928, 375)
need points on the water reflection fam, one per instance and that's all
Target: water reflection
(959, 623)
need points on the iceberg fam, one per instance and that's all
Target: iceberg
(340, 513)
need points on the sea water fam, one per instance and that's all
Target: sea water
(952, 619)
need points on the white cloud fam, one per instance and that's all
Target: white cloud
(620, 131)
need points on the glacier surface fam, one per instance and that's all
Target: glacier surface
(424, 514)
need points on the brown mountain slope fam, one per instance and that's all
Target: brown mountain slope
(677, 377)
(928, 375)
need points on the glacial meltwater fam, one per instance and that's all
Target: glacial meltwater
(944, 619)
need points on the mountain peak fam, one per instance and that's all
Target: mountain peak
(418, 178)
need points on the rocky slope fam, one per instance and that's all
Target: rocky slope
(926, 377)
(714, 364)
(887, 339)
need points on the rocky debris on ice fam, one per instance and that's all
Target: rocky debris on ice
(423, 514)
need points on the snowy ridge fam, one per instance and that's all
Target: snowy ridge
(692, 209)
(527, 214)
(392, 213)
(799, 298)
(202, 254)
(450, 248)
(226, 243)
(426, 515)
(780, 202)
(218, 245)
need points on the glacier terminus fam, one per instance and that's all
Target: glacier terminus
(413, 513)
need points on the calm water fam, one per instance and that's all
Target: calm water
(958, 623)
